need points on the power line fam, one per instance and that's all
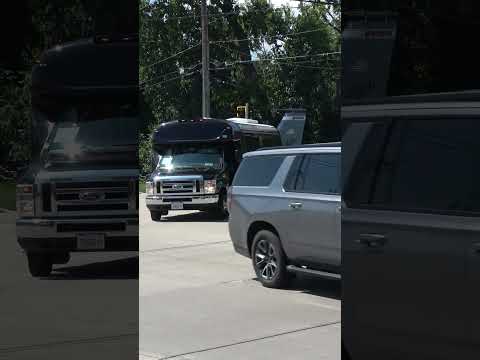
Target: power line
(265, 36)
(172, 56)
(190, 68)
(220, 15)
(174, 78)
(317, 2)
(230, 64)
(307, 67)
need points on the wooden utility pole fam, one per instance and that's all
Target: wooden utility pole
(205, 63)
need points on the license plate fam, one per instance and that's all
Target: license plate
(177, 206)
(90, 241)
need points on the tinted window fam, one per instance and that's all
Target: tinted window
(270, 140)
(250, 142)
(257, 170)
(292, 175)
(316, 174)
(431, 166)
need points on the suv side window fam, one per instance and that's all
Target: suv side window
(258, 170)
(430, 167)
(315, 174)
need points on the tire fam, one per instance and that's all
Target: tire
(222, 208)
(156, 215)
(345, 354)
(272, 269)
(40, 265)
(60, 258)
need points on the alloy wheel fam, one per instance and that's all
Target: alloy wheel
(265, 259)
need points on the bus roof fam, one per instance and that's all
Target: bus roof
(87, 66)
(205, 130)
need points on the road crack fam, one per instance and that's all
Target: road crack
(184, 246)
(183, 355)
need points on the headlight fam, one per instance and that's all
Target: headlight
(25, 200)
(210, 186)
(149, 187)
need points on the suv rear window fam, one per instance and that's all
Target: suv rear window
(420, 165)
(258, 170)
(430, 166)
(315, 174)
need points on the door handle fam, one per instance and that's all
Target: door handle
(295, 205)
(372, 240)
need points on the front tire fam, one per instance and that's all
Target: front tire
(269, 260)
(40, 265)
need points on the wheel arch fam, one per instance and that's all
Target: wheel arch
(257, 226)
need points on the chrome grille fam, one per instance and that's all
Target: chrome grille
(170, 187)
(99, 196)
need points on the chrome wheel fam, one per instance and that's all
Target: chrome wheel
(265, 259)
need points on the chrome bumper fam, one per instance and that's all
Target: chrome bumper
(193, 200)
(68, 228)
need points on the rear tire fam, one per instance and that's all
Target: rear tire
(60, 258)
(222, 208)
(269, 260)
(40, 265)
(156, 215)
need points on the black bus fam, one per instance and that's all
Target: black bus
(195, 160)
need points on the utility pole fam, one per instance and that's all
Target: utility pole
(205, 63)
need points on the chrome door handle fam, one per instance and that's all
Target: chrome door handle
(295, 205)
(372, 240)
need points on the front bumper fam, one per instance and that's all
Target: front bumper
(44, 234)
(195, 202)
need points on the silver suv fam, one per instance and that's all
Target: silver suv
(284, 207)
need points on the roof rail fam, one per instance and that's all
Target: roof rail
(304, 146)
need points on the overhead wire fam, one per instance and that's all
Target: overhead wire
(173, 56)
(182, 70)
(230, 64)
(171, 79)
(265, 36)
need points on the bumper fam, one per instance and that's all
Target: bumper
(241, 250)
(120, 234)
(196, 202)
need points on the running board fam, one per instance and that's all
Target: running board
(323, 274)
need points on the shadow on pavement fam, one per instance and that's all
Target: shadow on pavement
(318, 286)
(201, 216)
(315, 286)
(126, 268)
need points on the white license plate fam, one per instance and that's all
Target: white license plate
(177, 206)
(90, 241)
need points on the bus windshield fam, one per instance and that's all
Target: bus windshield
(93, 134)
(201, 157)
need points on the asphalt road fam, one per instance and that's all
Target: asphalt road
(200, 300)
(87, 309)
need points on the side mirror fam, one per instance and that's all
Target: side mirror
(238, 156)
(154, 161)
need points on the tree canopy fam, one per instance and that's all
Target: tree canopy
(271, 58)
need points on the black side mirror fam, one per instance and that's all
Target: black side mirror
(238, 156)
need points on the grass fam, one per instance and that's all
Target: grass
(7, 196)
(141, 186)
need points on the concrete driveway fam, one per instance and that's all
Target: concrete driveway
(87, 309)
(200, 300)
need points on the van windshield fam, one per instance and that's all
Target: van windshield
(192, 157)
